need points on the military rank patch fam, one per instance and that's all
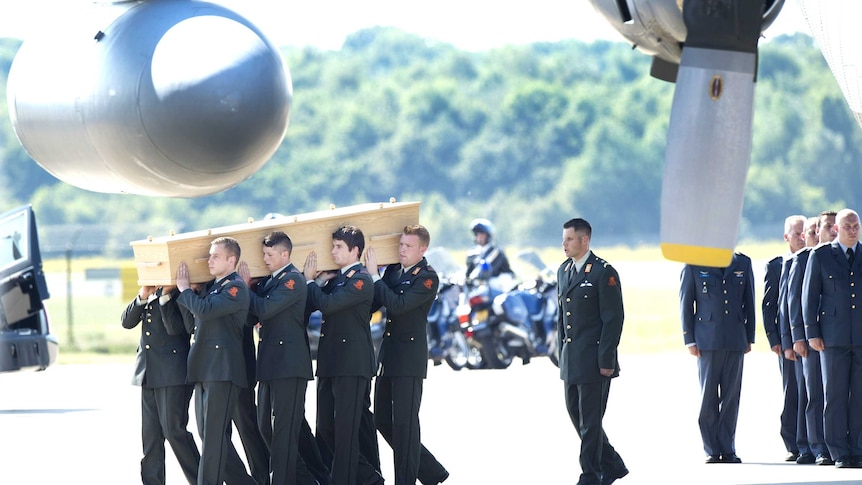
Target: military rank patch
(358, 284)
(350, 273)
(428, 284)
(416, 270)
(233, 291)
(588, 268)
(612, 281)
(289, 284)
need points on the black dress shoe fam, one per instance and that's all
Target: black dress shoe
(713, 459)
(844, 462)
(824, 459)
(611, 477)
(792, 456)
(731, 458)
(805, 459)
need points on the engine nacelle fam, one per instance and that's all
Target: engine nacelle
(656, 28)
(166, 98)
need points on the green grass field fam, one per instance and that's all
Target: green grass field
(652, 310)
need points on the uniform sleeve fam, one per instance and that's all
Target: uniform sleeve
(769, 305)
(232, 297)
(132, 314)
(172, 318)
(750, 308)
(794, 299)
(423, 289)
(687, 305)
(355, 290)
(611, 313)
(290, 290)
(811, 288)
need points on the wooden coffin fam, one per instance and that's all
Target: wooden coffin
(157, 258)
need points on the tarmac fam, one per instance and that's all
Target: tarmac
(81, 424)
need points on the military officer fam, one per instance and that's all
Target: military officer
(160, 370)
(407, 290)
(590, 326)
(718, 319)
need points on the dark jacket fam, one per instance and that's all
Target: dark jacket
(220, 314)
(590, 320)
(408, 299)
(831, 297)
(279, 305)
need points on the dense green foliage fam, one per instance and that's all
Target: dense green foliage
(527, 136)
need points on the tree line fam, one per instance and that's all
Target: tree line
(527, 136)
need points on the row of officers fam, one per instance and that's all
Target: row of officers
(197, 340)
(812, 315)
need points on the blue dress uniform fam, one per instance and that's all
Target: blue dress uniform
(774, 322)
(810, 382)
(718, 315)
(160, 370)
(832, 308)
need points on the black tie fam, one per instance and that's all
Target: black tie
(850, 255)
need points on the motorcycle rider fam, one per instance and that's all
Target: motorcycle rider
(485, 251)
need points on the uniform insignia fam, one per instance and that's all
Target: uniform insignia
(739, 274)
(588, 268)
(612, 281)
(358, 284)
(233, 291)
(428, 284)
(289, 284)
(350, 273)
(416, 270)
(586, 284)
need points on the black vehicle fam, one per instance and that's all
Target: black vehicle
(25, 340)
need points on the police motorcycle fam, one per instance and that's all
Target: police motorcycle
(446, 340)
(540, 298)
(493, 322)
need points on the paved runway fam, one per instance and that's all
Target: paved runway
(81, 424)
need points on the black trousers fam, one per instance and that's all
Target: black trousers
(340, 402)
(396, 416)
(165, 416)
(280, 414)
(256, 451)
(215, 402)
(586, 405)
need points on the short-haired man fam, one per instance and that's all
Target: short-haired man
(833, 326)
(590, 325)
(718, 318)
(407, 290)
(809, 376)
(774, 321)
(283, 357)
(216, 364)
(345, 353)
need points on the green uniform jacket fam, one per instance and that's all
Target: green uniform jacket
(408, 299)
(590, 320)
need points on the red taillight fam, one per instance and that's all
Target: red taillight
(468, 332)
(465, 318)
(477, 300)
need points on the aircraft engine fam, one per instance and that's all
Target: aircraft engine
(174, 98)
(709, 48)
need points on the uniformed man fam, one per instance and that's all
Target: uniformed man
(833, 326)
(590, 326)
(486, 251)
(407, 291)
(283, 357)
(808, 373)
(718, 319)
(160, 370)
(774, 320)
(345, 354)
(216, 364)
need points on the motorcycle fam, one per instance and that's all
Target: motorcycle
(506, 321)
(446, 340)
